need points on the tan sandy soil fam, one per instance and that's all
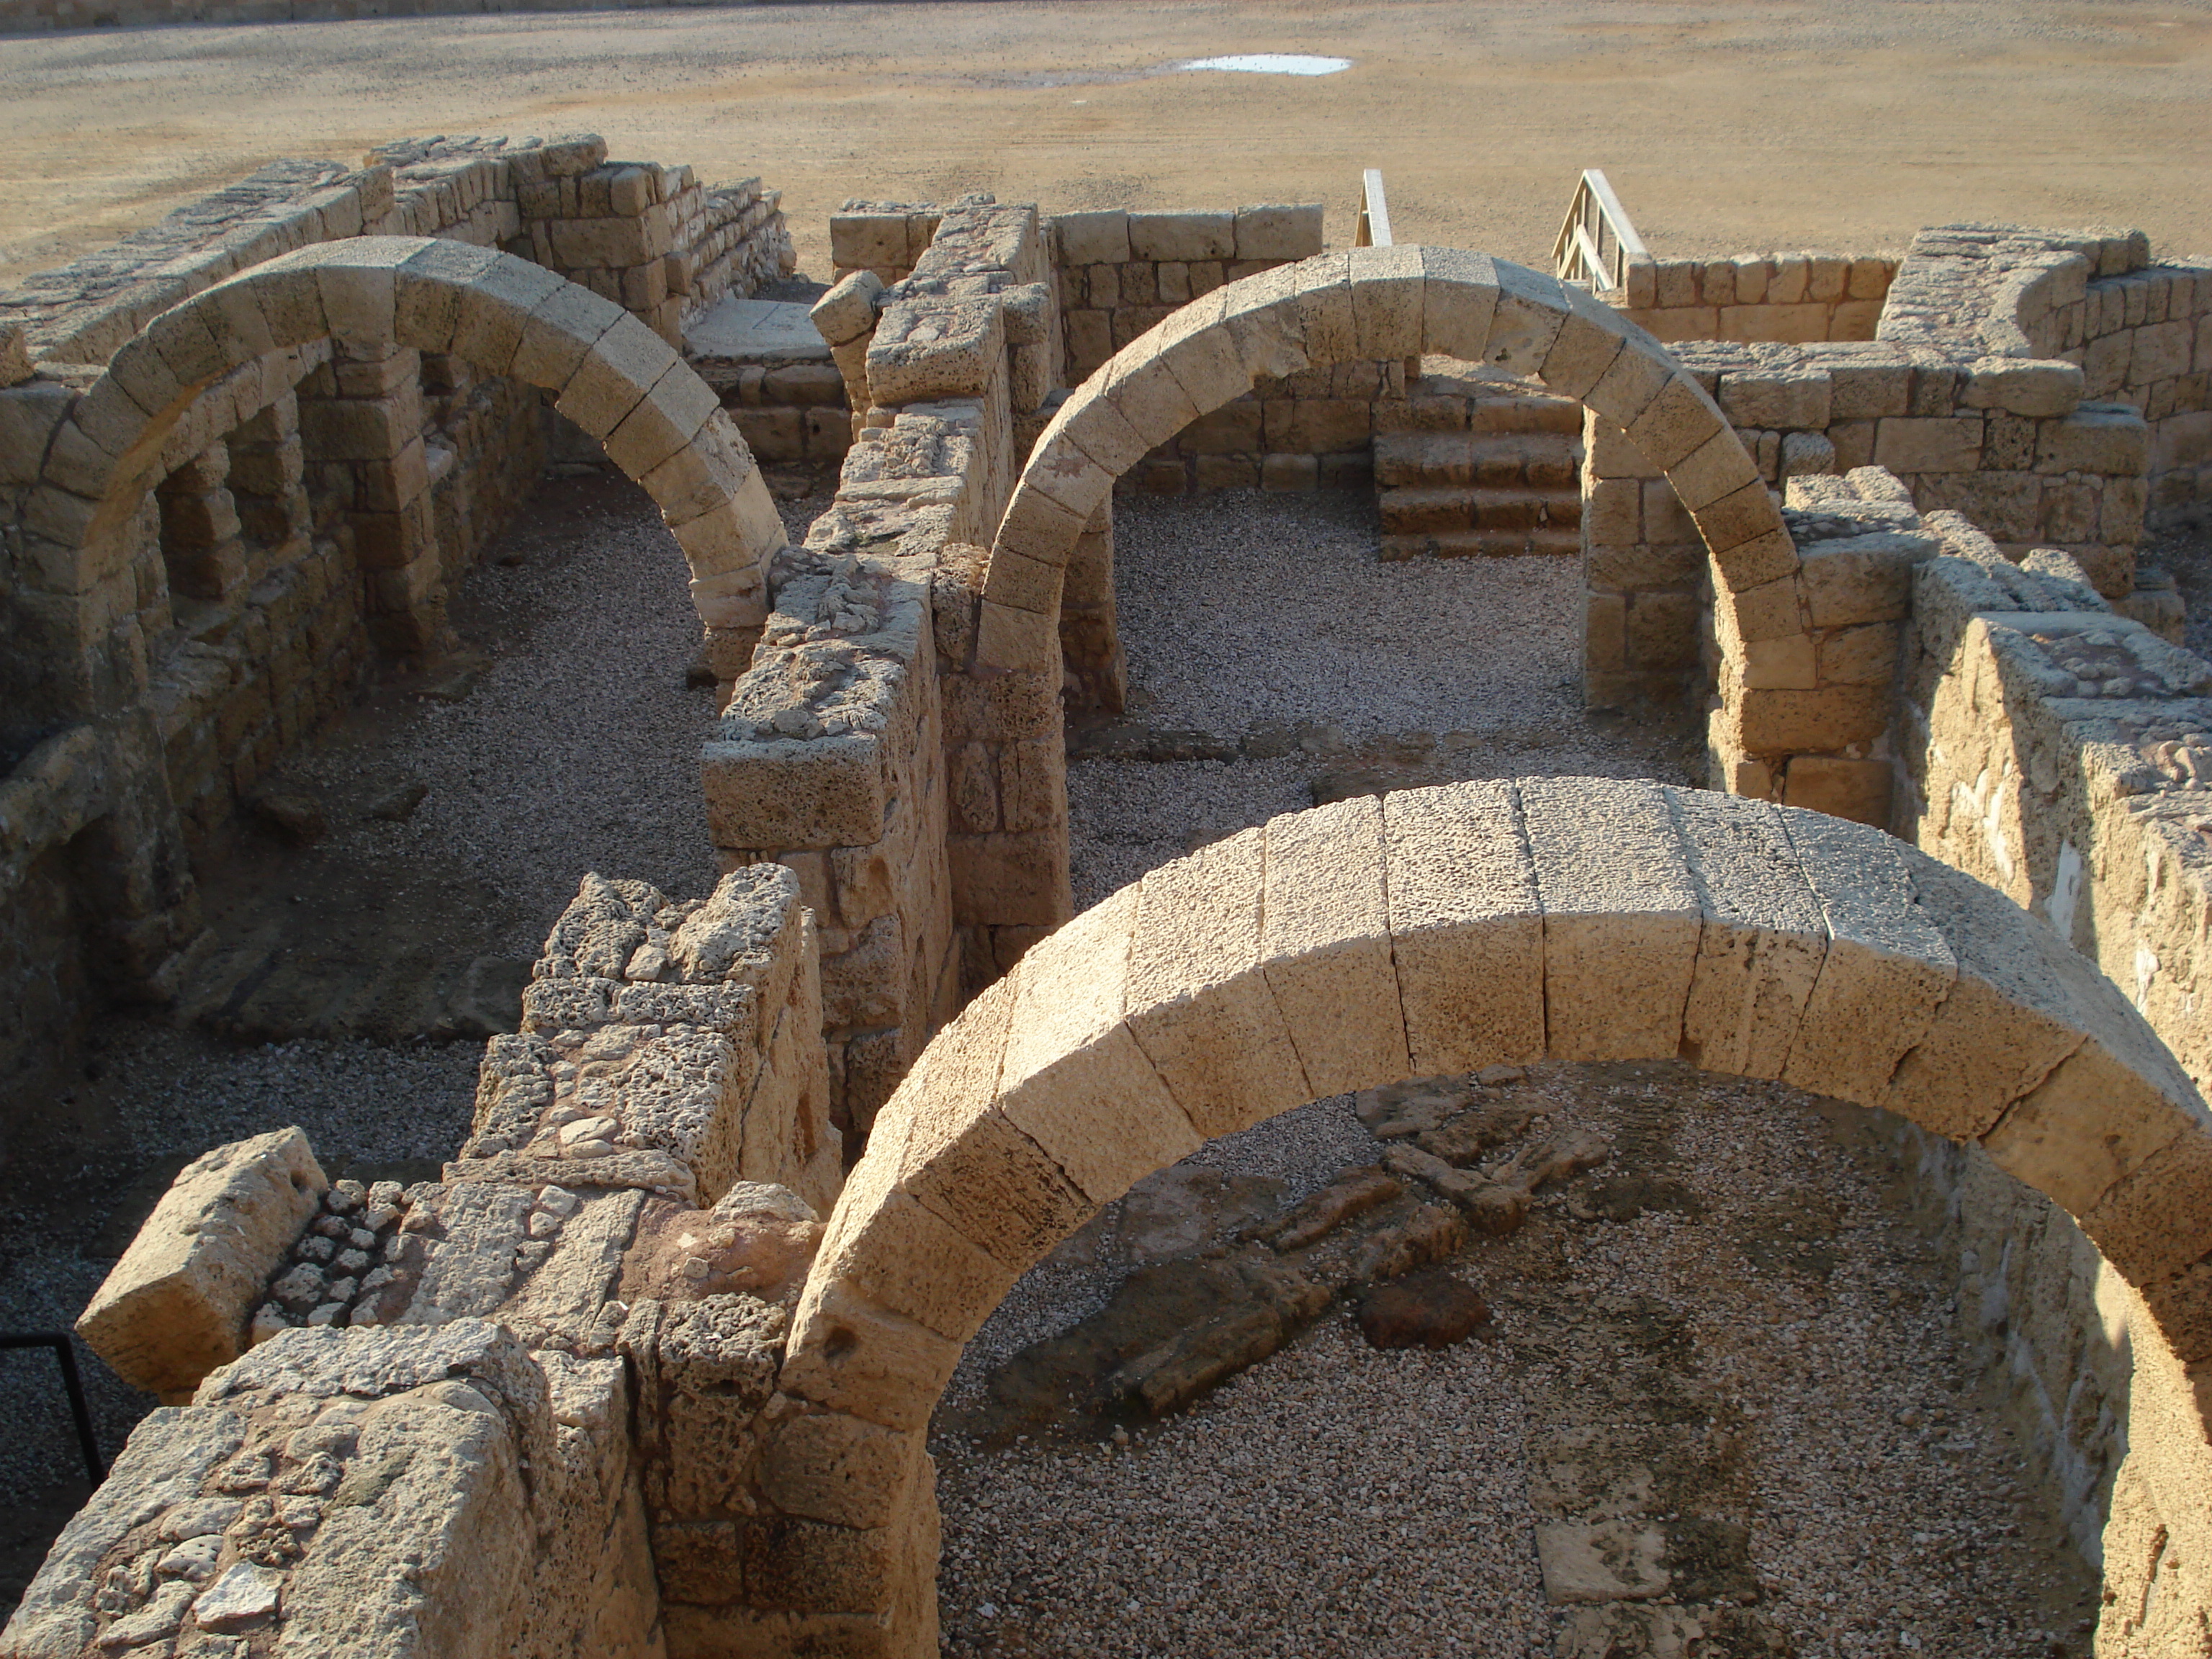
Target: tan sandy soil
(1726, 124)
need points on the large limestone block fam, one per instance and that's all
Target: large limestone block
(1325, 946)
(1622, 916)
(2017, 1011)
(852, 1355)
(175, 1306)
(1387, 285)
(1148, 395)
(1262, 315)
(428, 289)
(1198, 1003)
(1102, 431)
(615, 375)
(1459, 297)
(662, 421)
(559, 333)
(1531, 309)
(1591, 335)
(493, 313)
(936, 347)
(1204, 361)
(1467, 932)
(1887, 968)
(948, 1145)
(1076, 1079)
(1322, 294)
(1760, 938)
(437, 1563)
(359, 283)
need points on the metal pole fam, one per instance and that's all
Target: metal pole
(73, 1385)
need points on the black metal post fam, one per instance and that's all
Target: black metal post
(73, 1384)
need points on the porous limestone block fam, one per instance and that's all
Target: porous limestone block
(832, 1467)
(1039, 531)
(1626, 389)
(947, 1144)
(702, 474)
(1076, 1079)
(358, 278)
(935, 347)
(560, 333)
(1008, 637)
(1325, 946)
(2016, 1012)
(1775, 398)
(2039, 390)
(190, 347)
(1677, 422)
(1275, 231)
(1183, 236)
(1200, 1008)
(1743, 516)
(851, 1355)
(829, 791)
(616, 374)
(1459, 298)
(171, 1454)
(1204, 361)
(1532, 307)
(1590, 336)
(439, 1562)
(1622, 916)
(175, 1306)
(848, 311)
(145, 377)
(663, 422)
(906, 1258)
(1321, 293)
(1149, 396)
(1093, 239)
(1101, 431)
(495, 310)
(1387, 285)
(1717, 468)
(1888, 968)
(1760, 937)
(1260, 313)
(15, 355)
(2108, 438)
(430, 289)
(1465, 927)
(1059, 467)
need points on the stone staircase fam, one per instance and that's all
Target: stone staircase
(1492, 471)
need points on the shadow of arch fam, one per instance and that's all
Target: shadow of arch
(608, 373)
(1442, 930)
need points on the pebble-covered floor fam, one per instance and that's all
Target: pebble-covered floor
(1333, 1499)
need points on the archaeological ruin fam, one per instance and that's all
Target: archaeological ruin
(649, 1366)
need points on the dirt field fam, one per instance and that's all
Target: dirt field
(1726, 124)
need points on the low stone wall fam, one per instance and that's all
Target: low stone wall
(507, 1412)
(860, 685)
(1766, 298)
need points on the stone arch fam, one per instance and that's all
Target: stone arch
(1381, 303)
(608, 371)
(1441, 930)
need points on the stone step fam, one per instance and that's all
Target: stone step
(1452, 506)
(1464, 458)
(1548, 542)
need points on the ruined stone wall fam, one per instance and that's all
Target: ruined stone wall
(855, 746)
(511, 1412)
(307, 506)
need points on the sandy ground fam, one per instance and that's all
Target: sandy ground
(1726, 124)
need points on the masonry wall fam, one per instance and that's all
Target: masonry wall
(314, 507)
(1762, 298)
(927, 787)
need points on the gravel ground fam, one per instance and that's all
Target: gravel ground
(1338, 1500)
(1288, 589)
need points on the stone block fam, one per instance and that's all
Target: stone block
(1183, 236)
(617, 374)
(1909, 445)
(175, 1306)
(1278, 232)
(1776, 398)
(1092, 239)
(2036, 389)
(2107, 438)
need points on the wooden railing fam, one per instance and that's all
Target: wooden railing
(1597, 243)
(1373, 230)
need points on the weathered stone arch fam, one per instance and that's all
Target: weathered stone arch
(1440, 930)
(608, 371)
(1380, 303)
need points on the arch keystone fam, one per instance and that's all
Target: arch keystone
(1387, 308)
(1621, 917)
(1208, 1021)
(1459, 300)
(1760, 937)
(1467, 931)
